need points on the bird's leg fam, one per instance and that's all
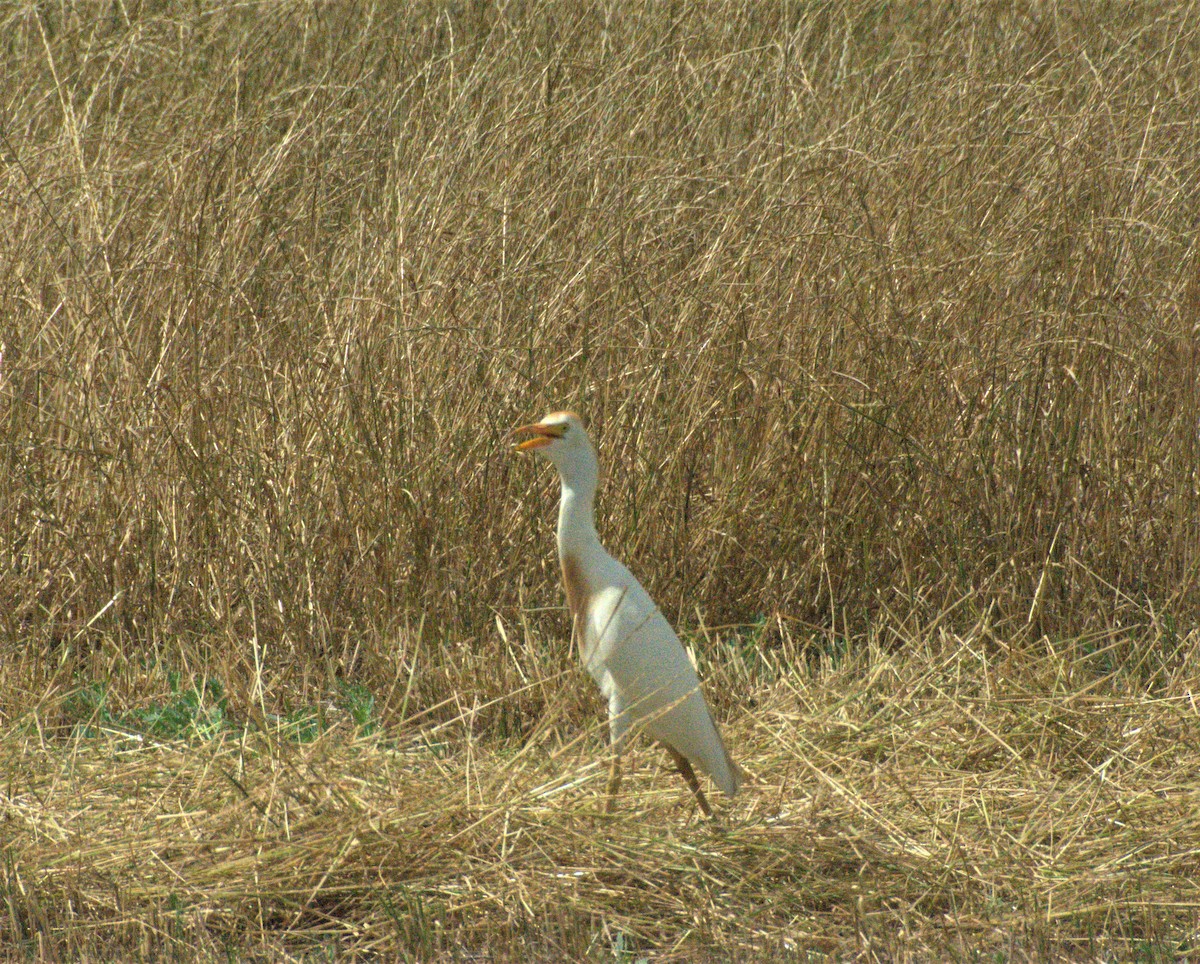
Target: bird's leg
(614, 782)
(618, 734)
(685, 768)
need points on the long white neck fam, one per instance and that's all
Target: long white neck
(576, 512)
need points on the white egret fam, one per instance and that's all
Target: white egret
(625, 642)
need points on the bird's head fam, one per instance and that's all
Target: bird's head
(561, 438)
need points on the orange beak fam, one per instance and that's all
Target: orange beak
(542, 435)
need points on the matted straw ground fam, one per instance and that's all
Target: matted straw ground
(958, 798)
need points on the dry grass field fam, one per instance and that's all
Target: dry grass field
(886, 318)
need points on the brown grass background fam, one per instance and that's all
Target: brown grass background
(885, 317)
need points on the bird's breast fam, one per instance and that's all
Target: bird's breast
(575, 584)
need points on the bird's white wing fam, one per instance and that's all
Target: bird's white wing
(644, 671)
